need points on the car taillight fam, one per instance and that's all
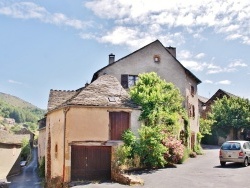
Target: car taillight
(220, 153)
(241, 154)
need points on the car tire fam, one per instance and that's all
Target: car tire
(245, 164)
(222, 163)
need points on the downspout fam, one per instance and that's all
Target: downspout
(65, 110)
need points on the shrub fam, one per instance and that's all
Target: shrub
(150, 149)
(192, 154)
(175, 150)
(185, 155)
(25, 149)
(42, 168)
(130, 140)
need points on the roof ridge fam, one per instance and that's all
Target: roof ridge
(157, 40)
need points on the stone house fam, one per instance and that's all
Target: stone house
(41, 139)
(202, 106)
(9, 121)
(155, 57)
(83, 127)
(10, 149)
(206, 108)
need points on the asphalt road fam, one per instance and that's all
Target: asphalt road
(29, 177)
(201, 172)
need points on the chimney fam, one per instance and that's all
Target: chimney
(172, 50)
(111, 58)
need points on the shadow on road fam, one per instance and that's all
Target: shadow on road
(230, 166)
(29, 176)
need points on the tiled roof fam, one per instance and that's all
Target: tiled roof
(8, 138)
(229, 94)
(220, 92)
(202, 99)
(105, 91)
(57, 97)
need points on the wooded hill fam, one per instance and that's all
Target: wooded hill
(18, 109)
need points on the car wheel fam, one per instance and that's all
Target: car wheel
(222, 163)
(245, 164)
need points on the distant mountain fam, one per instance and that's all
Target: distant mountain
(15, 101)
(18, 109)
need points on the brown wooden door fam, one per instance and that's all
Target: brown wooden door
(192, 140)
(119, 122)
(90, 163)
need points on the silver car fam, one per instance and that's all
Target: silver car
(235, 151)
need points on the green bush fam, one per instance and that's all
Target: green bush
(198, 149)
(42, 168)
(25, 149)
(150, 148)
(185, 155)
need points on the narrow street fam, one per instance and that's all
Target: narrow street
(28, 177)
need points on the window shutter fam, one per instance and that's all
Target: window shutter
(124, 81)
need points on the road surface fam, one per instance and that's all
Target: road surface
(201, 172)
(28, 177)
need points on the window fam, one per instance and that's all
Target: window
(128, 81)
(192, 90)
(157, 59)
(191, 110)
(56, 150)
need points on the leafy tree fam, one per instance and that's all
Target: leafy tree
(27, 114)
(25, 149)
(227, 113)
(161, 102)
(205, 126)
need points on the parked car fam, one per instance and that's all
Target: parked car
(235, 151)
(23, 163)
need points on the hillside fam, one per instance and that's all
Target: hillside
(15, 101)
(23, 112)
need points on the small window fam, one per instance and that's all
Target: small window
(56, 150)
(128, 81)
(191, 110)
(157, 59)
(111, 99)
(132, 79)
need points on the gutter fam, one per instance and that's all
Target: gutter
(65, 110)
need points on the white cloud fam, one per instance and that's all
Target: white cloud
(200, 55)
(29, 10)
(134, 38)
(220, 70)
(194, 65)
(15, 82)
(223, 82)
(207, 81)
(237, 63)
(193, 62)
(185, 54)
(231, 18)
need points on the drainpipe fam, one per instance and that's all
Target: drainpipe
(65, 110)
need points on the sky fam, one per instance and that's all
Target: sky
(60, 44)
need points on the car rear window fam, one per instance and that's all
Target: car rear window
(231, 146)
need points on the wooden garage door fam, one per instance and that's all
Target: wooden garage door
(90, 163)
(119, 122)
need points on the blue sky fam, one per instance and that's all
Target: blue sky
(59, 44)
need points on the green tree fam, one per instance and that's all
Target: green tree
(205, 126)
(25, 149)
(161, 102)
(227, 113)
